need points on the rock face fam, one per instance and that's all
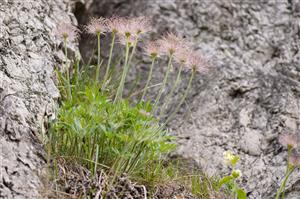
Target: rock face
(27, 91)
(252, 94)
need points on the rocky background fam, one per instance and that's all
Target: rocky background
(250, 96)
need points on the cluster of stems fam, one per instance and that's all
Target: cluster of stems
(171, 43)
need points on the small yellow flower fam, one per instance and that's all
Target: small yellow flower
(230, 159)
(236, 173)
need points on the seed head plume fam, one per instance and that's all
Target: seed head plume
(290, 140)
(140, 25)
(130, 28)
(67, 31)
(170, 43)
(152, 49)
(181, 55)
(114, 24)
(197, 62)
(295, 159)
(96, 26)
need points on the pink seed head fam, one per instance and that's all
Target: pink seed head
(96, 26)
(67, 31)
(181, 55)
(140, 25)
(131, 26)
(290, 140)
(114, 24)
(152, 49)
(295, 160)
(170, 44)
(196, 62)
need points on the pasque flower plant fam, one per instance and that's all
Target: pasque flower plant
(99, 127)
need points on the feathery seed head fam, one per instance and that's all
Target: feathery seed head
(133, 26)
(141, 25)
(295, 160)
(152, 49)
(181, 55)
(290, 140)
(170, 43)
(196, 62)
(96, 26)
(114, 24)
(67, 31)
(129, 29)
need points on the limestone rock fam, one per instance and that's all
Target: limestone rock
(27, 91)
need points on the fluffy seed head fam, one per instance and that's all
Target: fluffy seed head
(134, 26)
(114, 24)
(170, 43)
(141, 25)
(295, 160)
(196, 62)
(290, 140)
(96, 26)
(152, 49)
(67, 31)
(181, 55)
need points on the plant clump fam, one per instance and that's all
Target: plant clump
(100, 129)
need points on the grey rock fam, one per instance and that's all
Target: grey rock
(251, 94)
(27, 91)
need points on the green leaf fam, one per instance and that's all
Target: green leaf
(225, 180)
(241, 194)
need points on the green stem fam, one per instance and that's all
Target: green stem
(162, 88)
(99, 57)
(183, 98)
(67, 70)
(280, 191)
(132, 52)
(168, 98)
(121, 85)
(96, 159)
(110, 57)
(289, 169)
(149, 79)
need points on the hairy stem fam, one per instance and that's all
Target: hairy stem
(132, 52)
(110, 57)
(149, 79)
(289, 170)
(162, 88)
(98, 60)
(168, 98)
(183, 97)
(280, 191)
(67, 70)
(122, 82)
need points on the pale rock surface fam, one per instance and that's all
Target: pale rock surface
(27, 91)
